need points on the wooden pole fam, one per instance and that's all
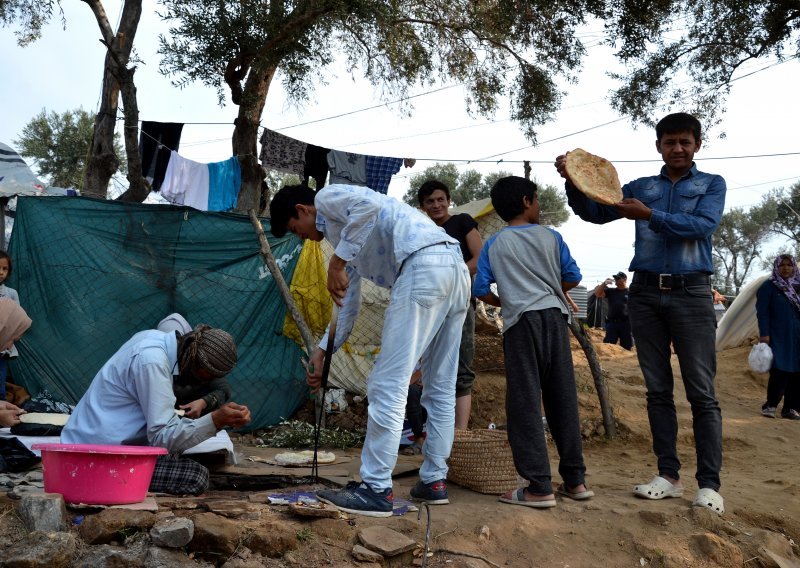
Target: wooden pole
(597, 373)
(269, 260)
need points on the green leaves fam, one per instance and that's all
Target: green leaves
(59, 145)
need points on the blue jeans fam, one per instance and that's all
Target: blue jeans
(426, 312)
(684, 318)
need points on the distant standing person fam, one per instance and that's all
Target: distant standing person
(533, 269)
(778, 312)
(676, 213)
(618, 324)
(434, 198)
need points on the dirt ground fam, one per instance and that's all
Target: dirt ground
(760, 483)
(761, 486)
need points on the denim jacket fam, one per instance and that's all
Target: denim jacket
(677, 237)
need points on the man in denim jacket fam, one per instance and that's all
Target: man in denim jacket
(676, 213)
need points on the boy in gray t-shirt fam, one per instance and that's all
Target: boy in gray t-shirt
(533, 270)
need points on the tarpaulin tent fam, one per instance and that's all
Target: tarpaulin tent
(91, 273)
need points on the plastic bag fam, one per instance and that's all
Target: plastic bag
(335, 400)
(760, 358)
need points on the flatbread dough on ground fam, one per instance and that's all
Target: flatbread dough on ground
(594, 176)
(52, 419)
(306, 457)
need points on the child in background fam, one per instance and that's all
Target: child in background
(10, 293)
(533, 269)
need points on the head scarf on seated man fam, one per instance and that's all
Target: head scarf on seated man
(206, 353)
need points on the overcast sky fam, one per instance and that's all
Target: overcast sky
(63, 71)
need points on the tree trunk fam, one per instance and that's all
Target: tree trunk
(103, 162)
(138, 188)
(599, 382)
(245, 138)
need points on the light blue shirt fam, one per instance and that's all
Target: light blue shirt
(131, 402)
(677, 237)
(374, 234)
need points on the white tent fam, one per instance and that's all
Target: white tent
(16, 178)
(739, 324)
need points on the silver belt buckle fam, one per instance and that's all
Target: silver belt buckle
(661, 281)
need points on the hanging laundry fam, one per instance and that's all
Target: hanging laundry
(281, 153)
(225, 180)
(380, 171)
(156, 142)
(316, 165)
(347, 168)
(186, 182)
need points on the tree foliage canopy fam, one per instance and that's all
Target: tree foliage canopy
(59, 145)
(686, 53)
(470, 185)
(496, 48)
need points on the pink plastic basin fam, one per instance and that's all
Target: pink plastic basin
(97, 474)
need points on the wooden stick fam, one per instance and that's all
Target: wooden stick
(468, 555)
(599, 382)
(269, 260)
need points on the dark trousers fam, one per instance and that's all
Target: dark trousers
(415, 412)
(619, 330)
(684, 318)
(786, 385)
(539, 370)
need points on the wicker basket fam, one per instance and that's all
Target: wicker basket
(481, 460)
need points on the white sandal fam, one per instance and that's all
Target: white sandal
(710, 499)
(658, 488)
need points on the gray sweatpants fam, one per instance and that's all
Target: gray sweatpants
(539, 370)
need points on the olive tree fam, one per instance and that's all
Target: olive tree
(501, 50)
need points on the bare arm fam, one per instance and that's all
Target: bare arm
(475, 244)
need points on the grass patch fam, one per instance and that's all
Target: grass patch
(297, 434)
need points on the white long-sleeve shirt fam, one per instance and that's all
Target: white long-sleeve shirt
(131, 402)
(374, 234)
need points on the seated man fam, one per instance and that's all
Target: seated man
(131, 402)
(196, 399)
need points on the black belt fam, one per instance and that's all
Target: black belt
(671, 281)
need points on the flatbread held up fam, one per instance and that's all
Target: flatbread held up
(594, 176)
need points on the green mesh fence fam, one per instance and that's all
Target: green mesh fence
(91, 273)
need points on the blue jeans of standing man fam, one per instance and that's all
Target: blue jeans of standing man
(684, 318)
(424, 320)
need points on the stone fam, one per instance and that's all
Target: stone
(114, 524)
(771, 548)
(658, 518)
(107, 556)
(172, 533)
(385, 541)
(272, 539)
(215, 534)
(19, 490)
(709, 546)
(44, 512)
(34, 476)
(42, 550)
(235, 509)
(363, 554)
(318, 510)
(156, 557)
(484, 533)
(706, 518)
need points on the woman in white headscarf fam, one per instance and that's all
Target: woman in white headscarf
(778, 312)
(13, 323)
